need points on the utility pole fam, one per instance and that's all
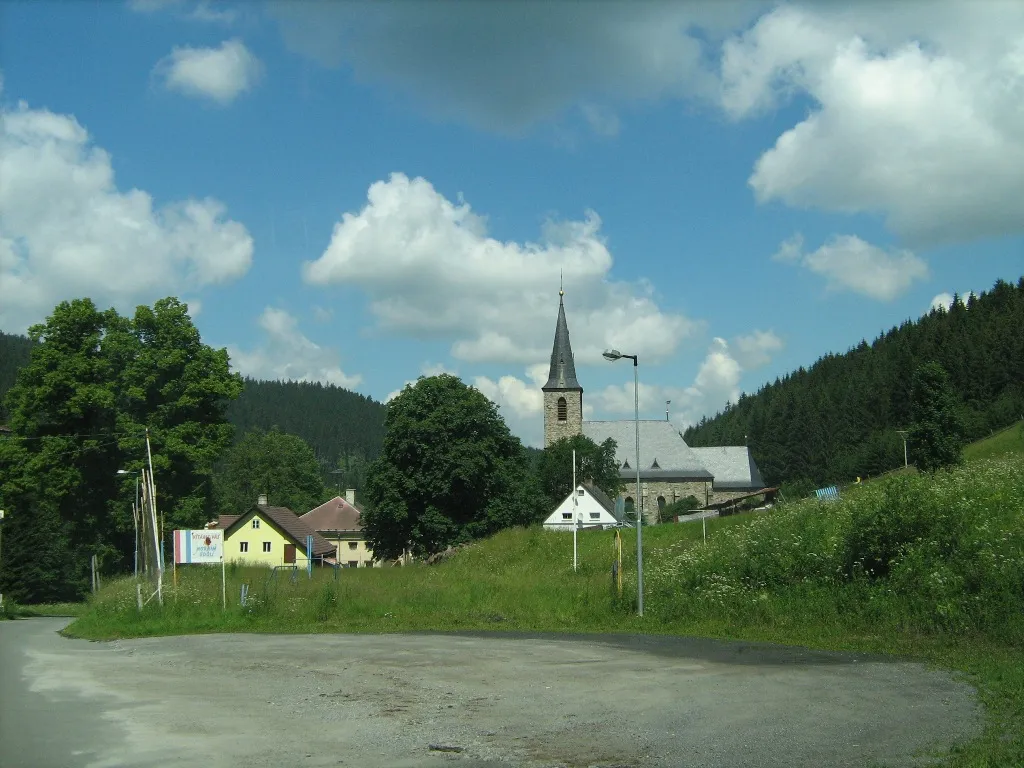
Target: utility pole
(1, 550)
(903, 433)
(575, 525)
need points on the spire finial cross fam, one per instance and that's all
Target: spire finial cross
(560, 291)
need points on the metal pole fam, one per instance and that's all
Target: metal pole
(158, 545)
(135, 516)
(639, 504)
(574, 525)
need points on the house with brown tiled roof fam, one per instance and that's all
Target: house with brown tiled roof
(272, 536)
(339, 521)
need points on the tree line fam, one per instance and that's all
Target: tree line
(94, 385)
(842, 417)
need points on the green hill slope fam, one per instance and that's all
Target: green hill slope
(1006, 441)
(838, 419)
(14, 353)
(334, 421)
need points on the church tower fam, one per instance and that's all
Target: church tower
(563, 395)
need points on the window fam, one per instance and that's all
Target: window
(353, 563)
(661, 503)
(563, 409)
(353, 545)
(579, 492)
(266, 546)
(567, 515)
(255, 522)
(629, 505)
(243, 546)
(595, 515)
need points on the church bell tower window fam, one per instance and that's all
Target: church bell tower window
(563, 409)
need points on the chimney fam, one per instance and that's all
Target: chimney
(262, 500)
(350, 496)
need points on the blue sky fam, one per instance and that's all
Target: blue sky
(363, 193)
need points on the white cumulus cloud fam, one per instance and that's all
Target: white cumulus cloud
(286, 354)
(755, 349)
(66, 230)
(848, 263)
(918, 112)
(218, 74)
(431, 270)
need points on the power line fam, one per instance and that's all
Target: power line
(78, 435)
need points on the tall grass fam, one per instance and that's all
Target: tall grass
(1005, 441)
(940, 554)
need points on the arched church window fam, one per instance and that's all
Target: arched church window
(661, 503)
(563, 409)
(629, 505)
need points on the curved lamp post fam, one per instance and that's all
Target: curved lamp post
(614, 354)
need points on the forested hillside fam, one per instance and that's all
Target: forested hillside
(14, 353)
(334, 421)
(839, 419)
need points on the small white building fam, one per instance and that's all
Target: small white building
(590, 506)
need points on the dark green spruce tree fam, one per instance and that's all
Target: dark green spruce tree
(936, 434)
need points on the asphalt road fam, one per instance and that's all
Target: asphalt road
(386, 700)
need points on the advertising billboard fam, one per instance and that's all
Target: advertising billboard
(206, 546)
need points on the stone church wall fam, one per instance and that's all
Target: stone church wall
(672, 492)
(554, 429)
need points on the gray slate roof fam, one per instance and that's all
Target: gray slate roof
(733, 467)
(659, 441)
(602, 498)
(562, 374)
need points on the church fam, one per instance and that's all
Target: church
(670, 469)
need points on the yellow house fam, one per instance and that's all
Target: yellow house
(271, 536)
(339, 521)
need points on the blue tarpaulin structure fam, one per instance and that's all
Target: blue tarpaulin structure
(831, 493)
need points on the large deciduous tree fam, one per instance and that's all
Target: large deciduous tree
(274, 463)
(595, 464)
(78, 413)
(449, 472)
(936, 435)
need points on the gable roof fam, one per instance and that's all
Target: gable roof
(562, 374)
(659, 441)
(590, 498)
(223, 521)
(732, 465)
(602, 498)
(288, 523)
(334, 515)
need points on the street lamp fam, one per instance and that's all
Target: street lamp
(135, 514)
(903, 433)
(614, 354)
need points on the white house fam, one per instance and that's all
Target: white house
(592, 507)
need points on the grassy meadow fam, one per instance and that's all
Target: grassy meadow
(1008, 441)
(929, 567)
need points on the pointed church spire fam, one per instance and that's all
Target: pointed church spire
(563, 368)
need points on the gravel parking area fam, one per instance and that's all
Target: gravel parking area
(461, 701)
